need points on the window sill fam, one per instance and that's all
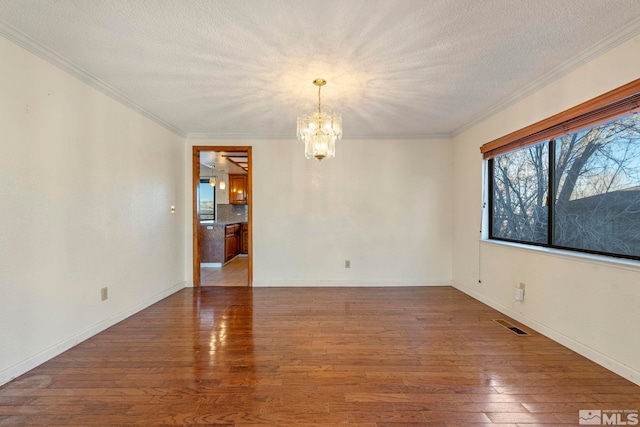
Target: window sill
(613, 262)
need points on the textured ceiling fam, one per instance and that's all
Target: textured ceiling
(244, 68)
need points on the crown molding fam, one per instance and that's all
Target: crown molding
(65, 65)
(218, 136)
(234, 136)
(403, 137)
(613, 40)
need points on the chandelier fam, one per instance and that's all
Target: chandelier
(320, 130)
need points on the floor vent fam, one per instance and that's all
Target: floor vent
(512, 328)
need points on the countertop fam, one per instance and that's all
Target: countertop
(222, 223)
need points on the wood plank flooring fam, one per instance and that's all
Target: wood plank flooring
(314, 357)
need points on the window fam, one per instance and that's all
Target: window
(571, 181)
(206, 201)
(520, 189)
(578, 191)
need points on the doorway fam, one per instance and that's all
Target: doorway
(222, 216)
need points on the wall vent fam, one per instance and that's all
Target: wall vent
(511, 327)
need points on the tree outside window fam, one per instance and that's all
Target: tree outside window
(595, 194)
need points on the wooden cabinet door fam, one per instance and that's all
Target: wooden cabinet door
(238, 189)
(238, 243)
(230, 246)
(244, 239)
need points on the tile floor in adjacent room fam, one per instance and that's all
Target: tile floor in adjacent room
(235, 273)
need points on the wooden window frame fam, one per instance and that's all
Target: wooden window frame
(611, 105)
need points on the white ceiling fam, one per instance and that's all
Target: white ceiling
(218, 161)
(244, 68)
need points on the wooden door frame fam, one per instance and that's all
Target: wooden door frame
(195, 174)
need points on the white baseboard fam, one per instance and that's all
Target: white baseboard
(340, 283)
(211, 264)
(591, 354)
(53, 351)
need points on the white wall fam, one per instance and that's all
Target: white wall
(383, 204)
(585, 303)
(87, 186)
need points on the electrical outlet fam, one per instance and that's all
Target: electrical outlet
(104, 294)
(347, 263)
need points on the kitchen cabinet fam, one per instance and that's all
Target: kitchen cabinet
(244, 238)
(237, 189)
(220, 243)
(232, 241)
(231, 247)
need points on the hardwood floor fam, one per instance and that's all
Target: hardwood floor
(235, 273)
(314, 357)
